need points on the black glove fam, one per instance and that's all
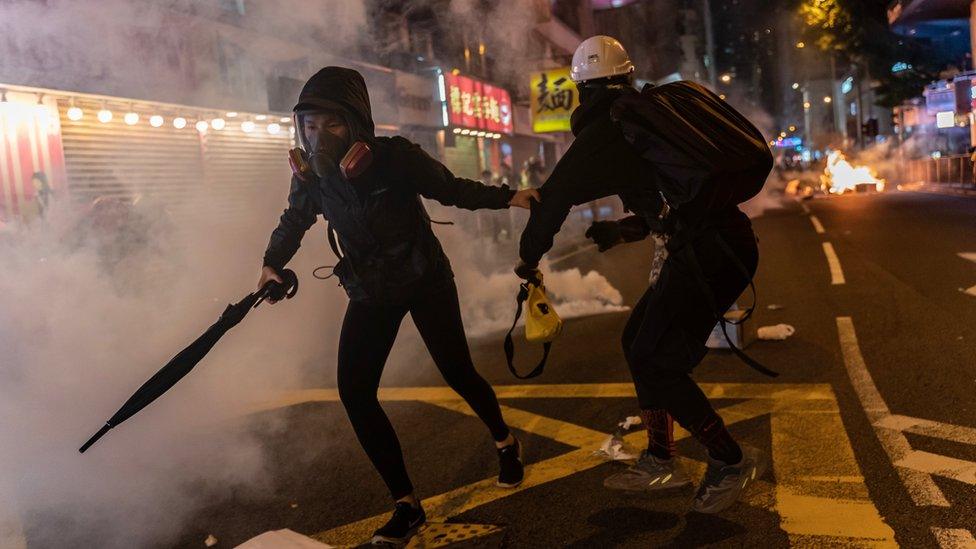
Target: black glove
(606, 234)
(529, 273)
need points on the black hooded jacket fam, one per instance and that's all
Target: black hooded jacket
(600, 163)
(389, 250)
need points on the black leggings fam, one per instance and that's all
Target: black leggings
(368, 332)
(664, 339)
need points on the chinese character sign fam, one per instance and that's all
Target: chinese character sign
(554, 97)
(476, 105)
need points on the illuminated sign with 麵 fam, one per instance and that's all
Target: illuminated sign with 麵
(553, 98)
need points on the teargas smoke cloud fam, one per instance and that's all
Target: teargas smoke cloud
(133, 49)
(88, 317)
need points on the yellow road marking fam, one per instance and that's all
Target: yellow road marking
(819, 499)
(919, 484)
(778, 391)
(836, 273)
(954, 538)
(820, 491)
(560, 431)
(484, 491)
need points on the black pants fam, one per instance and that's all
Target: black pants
(368, 332)
(664, 339)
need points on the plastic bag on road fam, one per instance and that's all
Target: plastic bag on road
(613, 447)
(778, 332)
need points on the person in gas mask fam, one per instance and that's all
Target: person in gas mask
(665, 336)
(369, 190)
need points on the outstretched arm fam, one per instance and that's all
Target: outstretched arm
(599, 163)
(433, 180)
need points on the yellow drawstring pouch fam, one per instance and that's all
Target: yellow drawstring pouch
(542, 325)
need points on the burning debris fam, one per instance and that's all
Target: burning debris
(841, 176)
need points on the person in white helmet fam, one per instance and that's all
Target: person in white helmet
(664, 339)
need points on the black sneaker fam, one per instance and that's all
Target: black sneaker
(511, 470)
(402, 526)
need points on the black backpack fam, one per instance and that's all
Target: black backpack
(693, 138)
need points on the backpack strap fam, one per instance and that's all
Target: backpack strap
(510, 345)
(699, 275)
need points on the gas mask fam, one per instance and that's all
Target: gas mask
(325, 150)
(324, 153)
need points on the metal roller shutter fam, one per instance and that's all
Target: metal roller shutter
(238, 166)
(224, 167)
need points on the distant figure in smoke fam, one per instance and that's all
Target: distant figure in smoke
(712, 255)
(42, 192)
(531, 176)
(368, 188)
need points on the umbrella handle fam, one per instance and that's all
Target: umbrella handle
(278, 291)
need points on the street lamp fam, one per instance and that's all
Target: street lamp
(726, 78)
(800, 45)
(796, 85)
(827, 99)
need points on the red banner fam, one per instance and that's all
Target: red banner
(31, 158)
(476, 105)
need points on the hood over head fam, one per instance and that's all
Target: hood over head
(342, 89)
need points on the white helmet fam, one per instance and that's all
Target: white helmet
(600, 57)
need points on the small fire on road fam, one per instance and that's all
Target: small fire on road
(841, 176)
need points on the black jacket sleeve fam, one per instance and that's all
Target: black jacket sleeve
(297, 218)
(433, 180)
(599, 163)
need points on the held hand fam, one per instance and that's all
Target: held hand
(527, 272)
(524, 198)
(606, 234)
(268, 274)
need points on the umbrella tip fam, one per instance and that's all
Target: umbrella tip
(94, 438)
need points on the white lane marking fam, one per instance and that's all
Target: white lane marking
(929, 428)
(954, 538)
(806, 210)
(817, 226)
(919, 484)
(836, 273)
(564, 257)
(943, 466)
(969, 256)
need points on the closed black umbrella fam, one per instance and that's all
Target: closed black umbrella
(182, 363)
